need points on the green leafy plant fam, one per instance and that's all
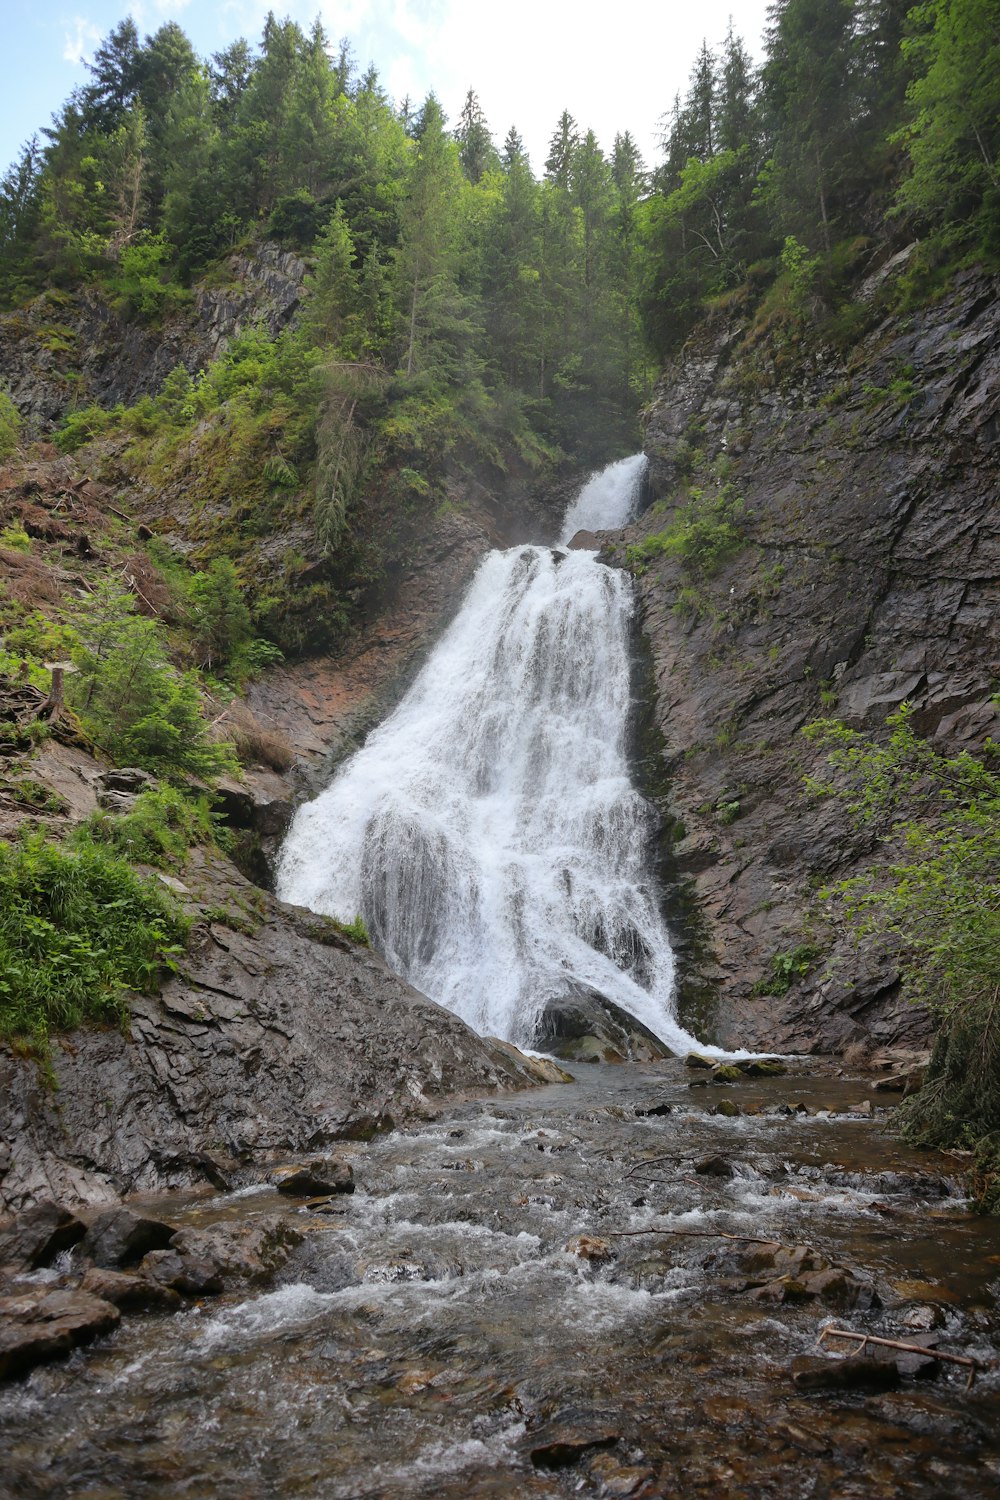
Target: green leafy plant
(10, 425)
(703, 535)
(162, 827)
(786, 969)
(934, 901)
(79, 931)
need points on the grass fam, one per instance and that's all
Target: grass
(79, 932)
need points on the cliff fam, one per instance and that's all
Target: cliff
(862, 486)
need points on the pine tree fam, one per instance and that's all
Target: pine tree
(476, 151)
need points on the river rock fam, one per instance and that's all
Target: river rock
(247, 1251)
(565, 1440)
(42, 1324)
(316, 1178)
(191, 1275)
(589, 1247)
(853, 1372)
(727, 1108)
(38, 1234)
(119, 1237)
(715, 1166)
(695, 1060)
(126, 1290)
(762, 1067)
(590, 1028)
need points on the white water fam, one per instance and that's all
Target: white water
(488, 831)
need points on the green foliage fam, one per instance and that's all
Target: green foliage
(10, 425)
(143, 283)
(78, 932)
(83, 426)
(220, 618)
(952, 133)
(787, 969)
(356, 931)
(934, 900)
(131, 700)
(703, 535)
(161, 829)
(15, 538)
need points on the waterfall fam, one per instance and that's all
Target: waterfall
(488, 831)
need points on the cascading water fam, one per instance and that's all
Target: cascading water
(488, 831)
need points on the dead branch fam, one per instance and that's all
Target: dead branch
(698, 1234)
(972, 1365)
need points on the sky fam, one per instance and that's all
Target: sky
(527, 59)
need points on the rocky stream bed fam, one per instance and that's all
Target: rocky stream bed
(602, 1288)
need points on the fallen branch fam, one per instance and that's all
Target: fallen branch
(698, 1234)
(871, 1338)
(651, 1161)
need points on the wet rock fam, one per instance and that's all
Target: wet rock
(251, 1251)
(119, 1237)
(191, 1275)
(41, 1324)
(727, 1108)
(38, 1234)
(840, 1289)
(714, 1166)
(617, 1481)
(319, 1177)
(656, 1109)
(364, 1127)
(564, 1441)
(762, 1067)
(587, 1247)
(783, 1289)
(855, 1372)
(727, 1073)
(923, 1318)
(126, 1290)
(695, 1060)
(590, 1028)
(864, 1108)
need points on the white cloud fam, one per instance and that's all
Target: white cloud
(79, 42)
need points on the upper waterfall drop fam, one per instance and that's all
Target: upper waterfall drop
(608, 500)
(488, 831)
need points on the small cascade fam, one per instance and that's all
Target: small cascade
(488, 831)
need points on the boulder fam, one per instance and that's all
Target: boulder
(587, 1027)
(119, 1237)
(38, 1234)
(41, 1324)
(191, 1275)
(125, 1290)
(318, 1177)
(855, 1372)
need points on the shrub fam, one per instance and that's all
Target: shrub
(161, 828)
(703, 535)
(78, 932)
(10, 425)
(935, 902)
(131, 700)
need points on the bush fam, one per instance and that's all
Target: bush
(935, 902)
(160, 830)
(10, 425)
(703, 535)
(79, 931)
(138, 709)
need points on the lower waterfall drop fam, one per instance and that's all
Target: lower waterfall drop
(488, 831)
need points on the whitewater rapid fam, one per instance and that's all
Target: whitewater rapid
(488, 831)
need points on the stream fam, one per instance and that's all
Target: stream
(447, 1332)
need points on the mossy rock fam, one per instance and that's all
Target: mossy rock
(727, 1073)
(763, 1067)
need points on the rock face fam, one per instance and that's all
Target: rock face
(112, 358)
(269, 1041)
(867, 575)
